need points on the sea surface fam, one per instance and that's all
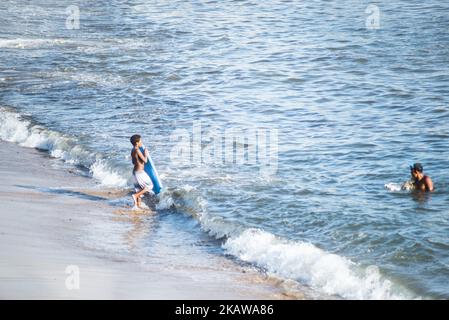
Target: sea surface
(348, 96)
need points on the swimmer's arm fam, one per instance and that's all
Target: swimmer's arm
(429, 184)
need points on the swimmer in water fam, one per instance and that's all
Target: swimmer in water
(421, 181)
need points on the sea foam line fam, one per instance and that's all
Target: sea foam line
(304, 262)
(324, 272)
(14, 128)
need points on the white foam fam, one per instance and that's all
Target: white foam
(87, 78)
(396, 187)
(24, 43)
(324, 272)
(184, 197)
(108, 176)
(14, 128)
(165, 200)
(304, 262)
(187, 199)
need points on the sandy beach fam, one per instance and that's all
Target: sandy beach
(46, 239)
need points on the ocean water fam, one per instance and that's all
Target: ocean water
(348, 98)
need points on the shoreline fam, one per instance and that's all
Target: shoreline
(42, 236)
(54, 220)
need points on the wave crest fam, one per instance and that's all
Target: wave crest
(304, 262)
(15, 128)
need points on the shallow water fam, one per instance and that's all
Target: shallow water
(353, 108)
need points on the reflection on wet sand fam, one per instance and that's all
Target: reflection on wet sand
(141, 220)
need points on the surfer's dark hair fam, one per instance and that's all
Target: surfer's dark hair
(134, 139)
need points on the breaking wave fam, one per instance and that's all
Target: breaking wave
(16, 128)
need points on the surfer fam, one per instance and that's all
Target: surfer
(420, 181)
(142, 181)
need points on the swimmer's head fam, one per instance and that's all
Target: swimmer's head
(415, 169)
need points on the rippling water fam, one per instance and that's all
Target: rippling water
(353, 107)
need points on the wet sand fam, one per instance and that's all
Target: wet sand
(48, 227)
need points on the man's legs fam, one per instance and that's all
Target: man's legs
(136, 197)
